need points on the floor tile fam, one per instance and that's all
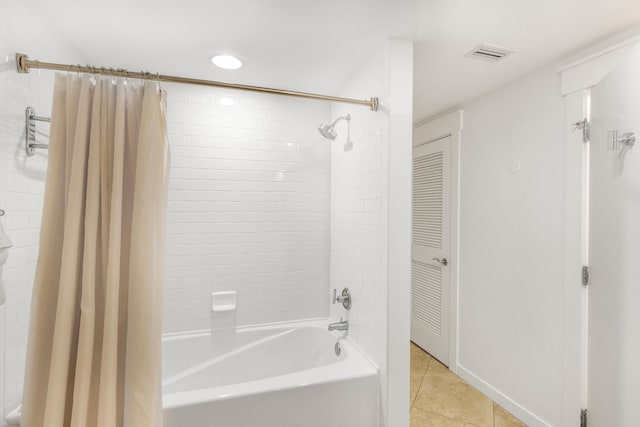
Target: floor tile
(440, 398)
(502, 418)
(416, 381)
(420, 418)
(437, 369)
(420, 359)
(445, 394)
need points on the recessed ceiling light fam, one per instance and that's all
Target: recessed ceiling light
(227, 62)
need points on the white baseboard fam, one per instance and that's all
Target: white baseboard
(518, 411)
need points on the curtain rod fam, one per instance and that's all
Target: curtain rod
(24, 64)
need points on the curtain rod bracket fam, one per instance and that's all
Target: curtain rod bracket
(374, 103)
(21, 65)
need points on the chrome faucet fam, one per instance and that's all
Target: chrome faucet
(342, 325)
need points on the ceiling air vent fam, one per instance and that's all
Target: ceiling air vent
(488, 52)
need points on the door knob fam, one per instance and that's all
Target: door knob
(442, 261)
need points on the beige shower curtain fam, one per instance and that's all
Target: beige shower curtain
(94, 351)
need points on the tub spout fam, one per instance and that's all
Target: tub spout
(339, 326)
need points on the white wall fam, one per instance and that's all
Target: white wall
(22, 29)
(248, 206)
(399, 231)
(362, 217)
(523, 241)
(512, 246)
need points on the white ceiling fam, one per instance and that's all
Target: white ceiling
(314, 45)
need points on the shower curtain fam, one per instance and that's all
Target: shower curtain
(94, 355)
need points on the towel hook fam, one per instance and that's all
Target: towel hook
(30, 131)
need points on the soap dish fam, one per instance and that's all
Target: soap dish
(223, 301)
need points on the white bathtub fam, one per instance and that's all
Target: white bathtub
(276, 376)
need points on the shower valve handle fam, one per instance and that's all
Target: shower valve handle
(344, 298)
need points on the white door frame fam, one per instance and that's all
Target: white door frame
(449, 125)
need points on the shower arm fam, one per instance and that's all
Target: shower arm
(347, 118)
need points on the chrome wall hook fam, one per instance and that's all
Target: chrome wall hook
(619, 140)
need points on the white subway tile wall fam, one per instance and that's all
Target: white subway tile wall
(359, 206)
(249, 207)
(21, 178)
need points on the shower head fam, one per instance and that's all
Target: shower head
(329, 131)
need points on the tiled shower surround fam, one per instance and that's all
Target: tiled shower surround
(249, 207)
(21, 178)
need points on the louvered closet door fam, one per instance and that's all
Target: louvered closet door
(430, 243)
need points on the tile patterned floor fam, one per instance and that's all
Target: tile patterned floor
(441, 399)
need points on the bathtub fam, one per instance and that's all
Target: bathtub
(286, 375)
